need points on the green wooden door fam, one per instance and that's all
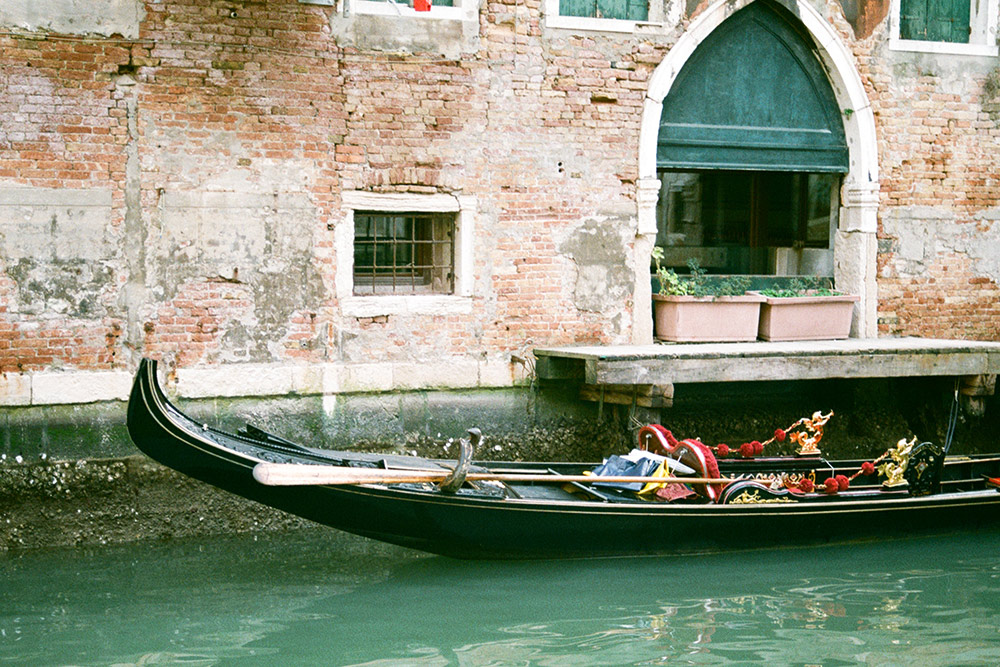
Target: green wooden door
(753, 96)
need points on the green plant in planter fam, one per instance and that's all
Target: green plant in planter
(809, 286)
(672, 284)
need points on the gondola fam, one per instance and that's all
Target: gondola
(496, 510)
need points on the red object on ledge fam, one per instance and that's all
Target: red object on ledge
(422, 5)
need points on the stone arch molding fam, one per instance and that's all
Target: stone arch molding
(855, 244)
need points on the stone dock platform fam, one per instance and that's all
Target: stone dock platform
(652, 374)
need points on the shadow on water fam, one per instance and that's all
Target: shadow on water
(325, 598)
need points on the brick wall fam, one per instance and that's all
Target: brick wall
(224, 134)
(939, 233)
(62, 130)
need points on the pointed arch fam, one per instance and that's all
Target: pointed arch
(859, 123)
(753, 96)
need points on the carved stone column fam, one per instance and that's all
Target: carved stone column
(647, 194)
(855, 252)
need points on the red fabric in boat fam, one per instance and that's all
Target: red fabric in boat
(692, 453)
(671, 492)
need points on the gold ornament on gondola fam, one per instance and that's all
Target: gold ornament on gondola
(811, 433)
(895, 469)
(806, 433)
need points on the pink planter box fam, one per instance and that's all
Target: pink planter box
(706, 319)
(806, 317)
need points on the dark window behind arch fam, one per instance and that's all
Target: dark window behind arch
(748, 222)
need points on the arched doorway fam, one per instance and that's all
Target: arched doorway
(758, 153)
(750, 151)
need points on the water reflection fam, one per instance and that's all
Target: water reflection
(325, 598)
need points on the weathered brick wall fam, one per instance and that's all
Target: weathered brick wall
(939, 259)
(264, 104)
(223, 135)
(238, 112)
(61, 132)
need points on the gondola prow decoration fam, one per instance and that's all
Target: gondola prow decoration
(456, 479)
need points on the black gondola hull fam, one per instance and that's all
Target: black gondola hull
(469, 526)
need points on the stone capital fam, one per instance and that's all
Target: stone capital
(859, 207)
(647, 193)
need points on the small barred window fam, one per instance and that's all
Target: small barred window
(404, 253)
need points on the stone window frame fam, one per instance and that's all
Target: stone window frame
(460, 301)
(404, 253)
(655, 22)
(463, 10)
(982, 39)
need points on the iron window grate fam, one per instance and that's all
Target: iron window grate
(403, 253)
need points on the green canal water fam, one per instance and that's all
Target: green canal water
(324, 598)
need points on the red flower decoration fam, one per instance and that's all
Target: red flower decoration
(867, 468)
(779, 435)
(831, 485)
(757, 448)
(842, 482)
(722, 450)
(746, 450)
(807, 485)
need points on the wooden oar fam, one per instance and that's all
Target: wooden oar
(299, 474)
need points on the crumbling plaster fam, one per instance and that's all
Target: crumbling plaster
(922, 234)
(250, 233)
(75, 17)
(58, 250)
(603, 279)
(417, 34)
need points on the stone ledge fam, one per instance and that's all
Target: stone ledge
(59, 387)
(250, 380)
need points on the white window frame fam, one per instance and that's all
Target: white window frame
(653, 23)
(460, 301)
(464, 10)
(982, 39)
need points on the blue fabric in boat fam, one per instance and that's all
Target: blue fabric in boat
(617, 466)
